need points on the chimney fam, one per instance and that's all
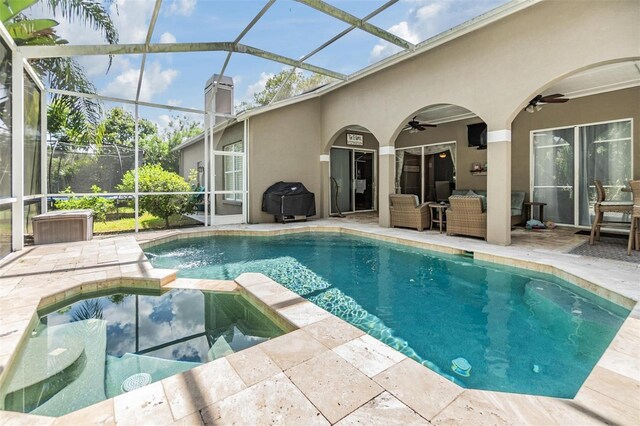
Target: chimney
(223, 97)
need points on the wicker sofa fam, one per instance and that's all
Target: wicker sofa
(465, 216)
(405, 211)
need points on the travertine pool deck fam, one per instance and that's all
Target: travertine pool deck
(325, 371)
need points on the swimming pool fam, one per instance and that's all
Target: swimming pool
(101, 347)
(481, 325)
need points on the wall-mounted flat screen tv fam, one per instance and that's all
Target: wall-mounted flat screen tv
(477, 135)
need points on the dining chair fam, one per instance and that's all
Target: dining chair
(603, 206)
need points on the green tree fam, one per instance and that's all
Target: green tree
(119, 128)
(62, 73)
(284, 85)
(153, 178)
(159, 149)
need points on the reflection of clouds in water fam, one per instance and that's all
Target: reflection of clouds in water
(186, 317)
(163, 311)
(121, 338)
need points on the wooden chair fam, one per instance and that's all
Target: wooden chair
(634, 232)
(603, 206)
(406, 212)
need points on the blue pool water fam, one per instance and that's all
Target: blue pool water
(520, 331)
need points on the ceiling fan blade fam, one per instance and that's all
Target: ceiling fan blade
(555, 101)
(428, 125)
(555, 95)
(406, 128)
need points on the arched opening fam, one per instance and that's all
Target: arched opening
(440, 149)
(574, 131)
(353, 171)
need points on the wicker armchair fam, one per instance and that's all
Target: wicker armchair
(465, 216)
(634, 232)
(406, 212)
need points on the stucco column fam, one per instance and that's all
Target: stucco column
(499, 187)
(386, 182)
(325, 186)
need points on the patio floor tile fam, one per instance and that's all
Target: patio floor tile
(494, 408)
(591, 408)
(292, 349)
(369, 355)
(333, 385)
(614, 385)
(147, 405)
(383, 410)
(333, 332)
(192, 390)
(253, 365)
(418, 387)
(272, 401)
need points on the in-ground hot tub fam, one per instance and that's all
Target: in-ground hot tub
(100, 347)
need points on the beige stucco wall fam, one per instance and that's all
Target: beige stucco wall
(369, 141)
(589, 109)
(284, 145)
(492, 71)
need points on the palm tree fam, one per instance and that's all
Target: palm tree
(61, 73)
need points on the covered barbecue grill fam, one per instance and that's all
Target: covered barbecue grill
(289, 201)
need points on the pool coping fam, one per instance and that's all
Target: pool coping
(609, 392)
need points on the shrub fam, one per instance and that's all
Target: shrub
(153, 178)
(100, 205)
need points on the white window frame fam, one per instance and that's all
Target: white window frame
(229, 176)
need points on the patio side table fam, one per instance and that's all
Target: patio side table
(438, 209)
(528, 205)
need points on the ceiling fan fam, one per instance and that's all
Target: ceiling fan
(536, 103)
(414, 126)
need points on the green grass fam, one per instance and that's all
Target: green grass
(147, 221)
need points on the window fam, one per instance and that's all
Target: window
(233, 172)
(566, 161)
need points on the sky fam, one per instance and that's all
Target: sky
(288, 28)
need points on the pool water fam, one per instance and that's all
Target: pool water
(99, 348)
(517, 330)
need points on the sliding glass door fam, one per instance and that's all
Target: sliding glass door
(566, 161)
(353, 174)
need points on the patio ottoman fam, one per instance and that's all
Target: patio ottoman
(63, 226)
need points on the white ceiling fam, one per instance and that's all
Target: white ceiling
(599, 80)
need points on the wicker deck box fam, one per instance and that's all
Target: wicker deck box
(63, 226)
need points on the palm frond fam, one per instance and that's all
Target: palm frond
(88, 309)
(90, 12)
(67, 74)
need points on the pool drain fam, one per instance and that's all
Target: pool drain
(136, 381)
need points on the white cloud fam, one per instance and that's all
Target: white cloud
(167, 38)
(155, 81)
(428, 18)
(258, 86)
(182, 7)
(174, 102)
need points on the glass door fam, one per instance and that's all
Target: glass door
(566, 161)
(364, 186)
(553, 173)
(341, 184)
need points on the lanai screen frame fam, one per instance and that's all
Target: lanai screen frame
(20, 55)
